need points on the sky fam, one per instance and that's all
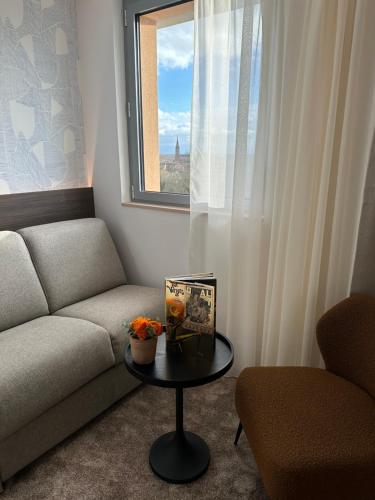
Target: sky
(175, 45)
(175, 49)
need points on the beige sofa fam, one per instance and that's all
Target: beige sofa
(63, 298)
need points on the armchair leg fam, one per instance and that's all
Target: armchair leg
(238, 433)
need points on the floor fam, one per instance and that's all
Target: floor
(108, 459)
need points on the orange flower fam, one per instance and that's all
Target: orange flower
(176, 308)
(157, 326)
(140, 323)
(142, 334)
(144, 328)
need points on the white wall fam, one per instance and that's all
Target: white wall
(364, 270)
(152, 243)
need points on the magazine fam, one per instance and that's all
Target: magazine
(191, 313)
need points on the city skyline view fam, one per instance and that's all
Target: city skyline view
(175, 49)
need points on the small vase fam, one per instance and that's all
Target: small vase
(143, 351)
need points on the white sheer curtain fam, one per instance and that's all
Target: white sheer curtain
(282, 122)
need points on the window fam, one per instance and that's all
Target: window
(159, 47)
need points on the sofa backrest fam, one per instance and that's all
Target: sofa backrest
(346, 337)
(21, 294)
(74, 259)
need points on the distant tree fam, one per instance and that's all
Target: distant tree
(175, 181)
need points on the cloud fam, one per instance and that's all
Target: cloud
(174, 123)
(176, 46)
(176, 42)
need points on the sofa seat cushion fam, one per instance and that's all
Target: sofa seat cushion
(312, 433)
(110, 309)
(44, 361)
(74, 259)
(21, 294)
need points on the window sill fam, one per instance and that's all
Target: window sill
(168, 208)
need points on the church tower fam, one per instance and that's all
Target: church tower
(177, 150)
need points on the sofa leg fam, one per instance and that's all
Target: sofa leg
(1, 487)
(238, 433)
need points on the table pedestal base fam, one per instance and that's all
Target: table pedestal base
(179, 457)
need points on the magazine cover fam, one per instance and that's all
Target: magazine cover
(190, 314)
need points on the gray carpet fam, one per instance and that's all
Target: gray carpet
(108, 459)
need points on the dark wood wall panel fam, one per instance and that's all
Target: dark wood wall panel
(30, 209)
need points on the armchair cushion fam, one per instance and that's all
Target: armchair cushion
(346, 337)
(312, 433)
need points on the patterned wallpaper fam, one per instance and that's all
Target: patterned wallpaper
(41, 124)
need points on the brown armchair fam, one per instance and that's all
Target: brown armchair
(312, 431)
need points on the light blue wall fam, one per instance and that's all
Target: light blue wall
(41, 125)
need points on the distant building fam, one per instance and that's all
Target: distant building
(177, 151)
(177, 163)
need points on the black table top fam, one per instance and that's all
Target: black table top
(173, 371)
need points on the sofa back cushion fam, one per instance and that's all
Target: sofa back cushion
(21, 294)
(74, 259)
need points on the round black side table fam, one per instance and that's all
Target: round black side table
(181, 456)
